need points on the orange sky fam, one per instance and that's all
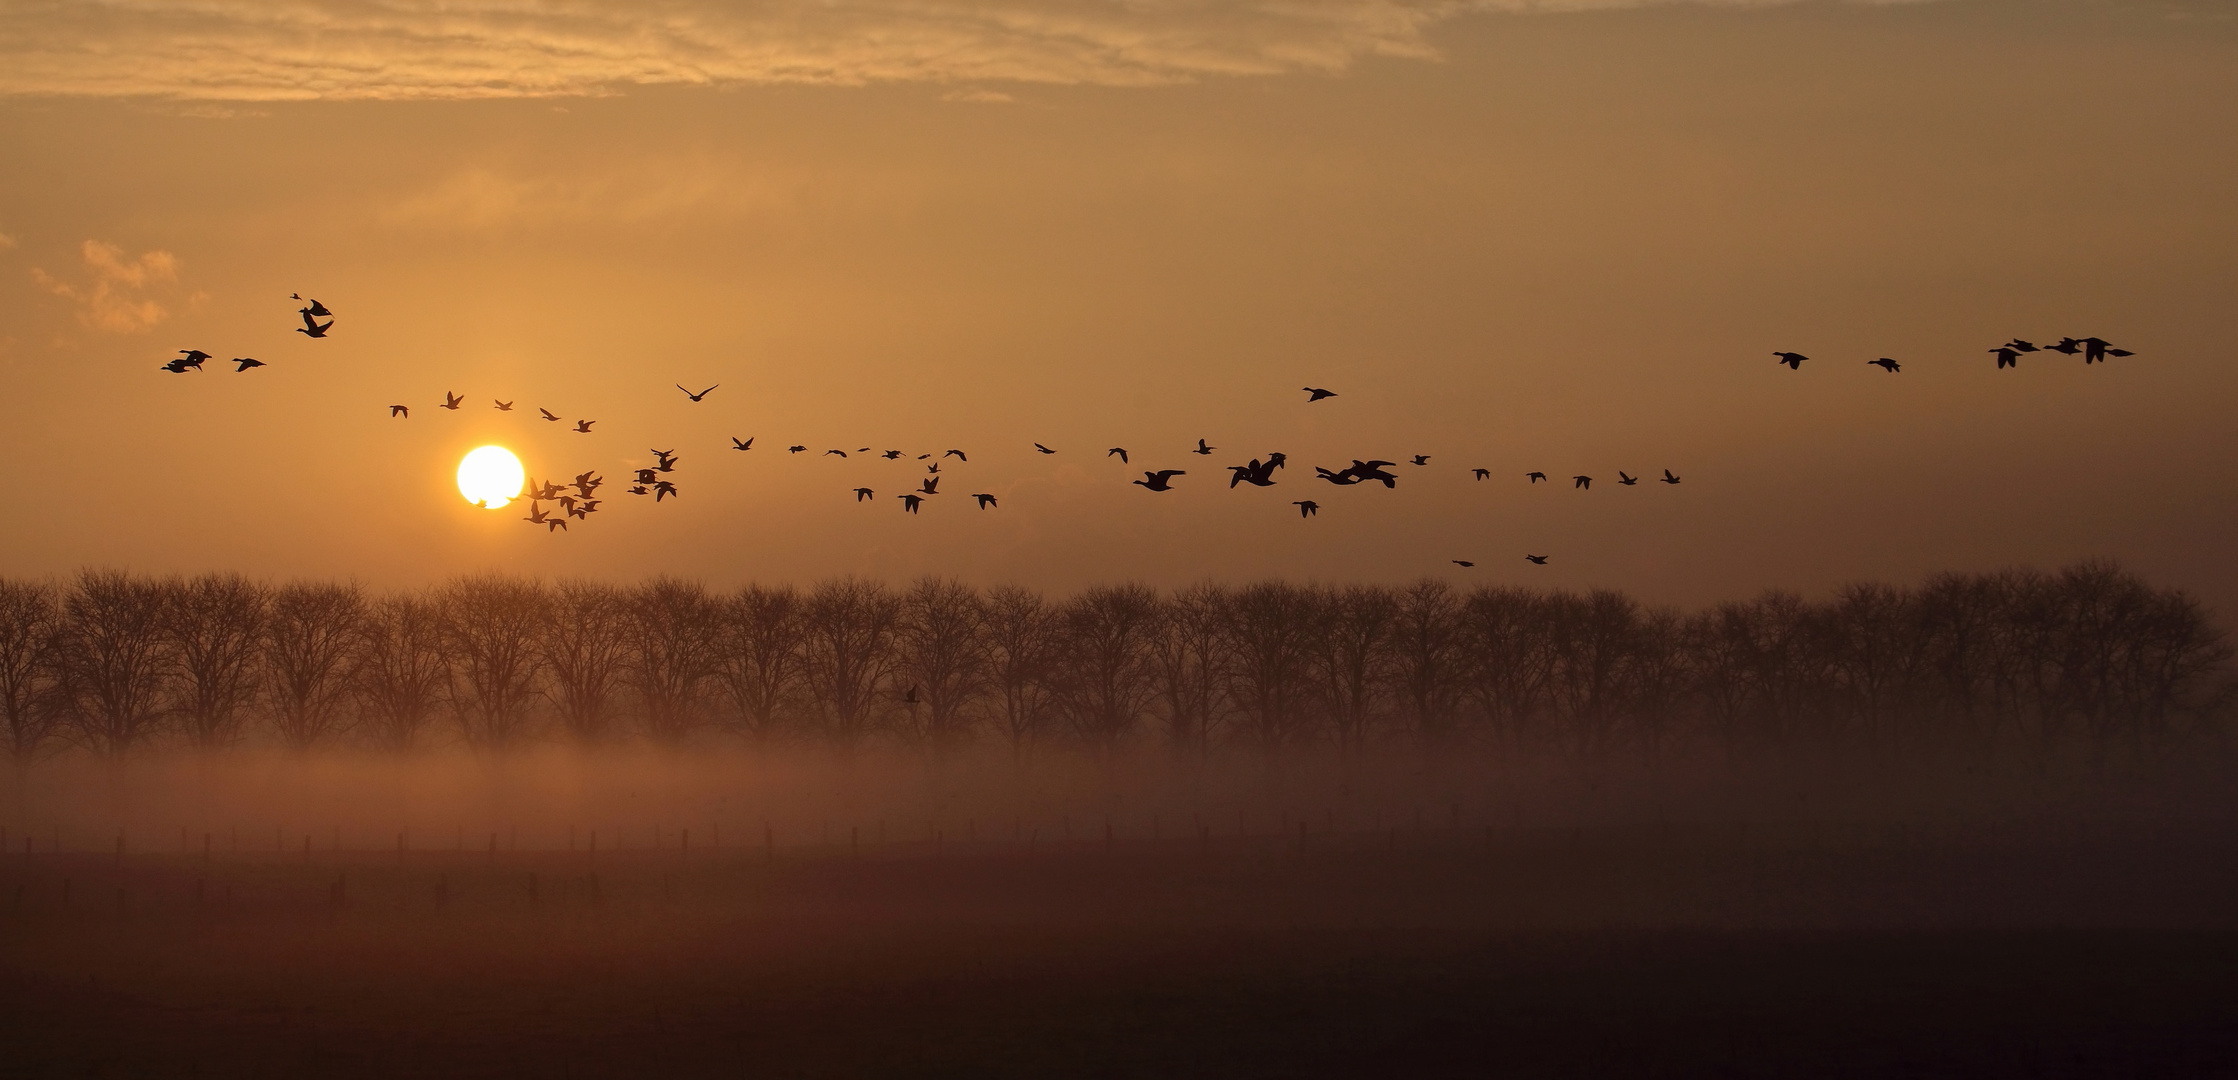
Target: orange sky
(1511, 236)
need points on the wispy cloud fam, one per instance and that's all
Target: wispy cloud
(114, 296)
(272, 50)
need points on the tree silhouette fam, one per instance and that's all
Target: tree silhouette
(313, 642)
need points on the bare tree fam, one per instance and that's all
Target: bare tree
(1352, 659)
(401, 673)
(1188, 656)
(1268, 631)
(1428, 660)
(116, 660)
(1506, 639)
(759, 664)
(311, 653)
(1103, 675)
(490, 630)
(583, 646)
(30, 620)
(674, 629)
(1021, 646)
(213, 624)
(942, 656)
(850, 652)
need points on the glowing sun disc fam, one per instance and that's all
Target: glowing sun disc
(490, 476)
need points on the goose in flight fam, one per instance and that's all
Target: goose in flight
(1538, 559)
(1535, 476)
(663, 489)
(2007, 357)
(585, 483)
(503, 406)
(933, 468)
(958, 455)
(1462, 563)
(2096, 350)
(910, 503)
(697, 396)
(647, 476)
(1119, 451)
(1257, 474)
(862, 494)
(316, 308)
(1668, 478)
(1482, 474)
(639, 489)
(1421, 459)
(667, 459)
(181, 366)
(1342, 478)
(452, 401)
(1885, 364)
(985, 500)
(932, 486)
(583, 427)
(399, 410)
(2067, 345)
(1793, 360)
(244, 363)
(312, 327)
(194, 356)
(891, 455)
(536, 514)
(747, 445)
(1582, 481)
(841, 453)
(1316, 393)
(555, 525)
(1625, 479)
(1203, 449)
(1307, 507)
(790, 449)
(1374, 470)
(547, 413)
(1160, 480)
(2022, 345)
(1043, 449)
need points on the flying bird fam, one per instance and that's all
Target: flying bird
(1374, 470)
(1160, 480)
(2095, 350)
(555, 525)
(648, 476)
(583, 427)
(2021, 345)
(181, 366)
(1583, 481)
(1462, 563)
(1886, 364)
(663, 489)
(1203, 449)
(933, 468)
(1626, 480)
(1257, 474)
(536, 514)
(1342, 478)
(503, 406)
(932, 486)
(1539, 559)
(316, 308)
(399, 410)
(1307, 507)
(452, 401)
(1316, 394)
(2008, 357)
(312, 327)
(1793, 360)
(697, 396)
(585, 483)
(985, 500)
(957, 454)
(747, 445)
(244, 363)
(1668, 478)
(194, 356)
(789, 449)
(547, 413)
(1535, 476)
(910, 503)
(2067, 345)
(841, 453)
(1421, 459)
(863, 493)
(1121, 451)
(1482, 474)
(638, 490)
(891, 455)
(1043, 449)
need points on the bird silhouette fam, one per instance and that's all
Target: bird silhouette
(747, 445)
(583, 427)
(1421, 459)
(957, 454)
(194, 356)
(585, 483)
(452, 401)
(1668, 478)
(841, 453)
(1583, 481)
(697, 396)
(316, 308)
(2021, 345)
(1626, 480)
(1374, 470)
(503, 406)
(1342, 478)
(2067, 345)
(667, 459)
(1886, 364)
(2095, 350)
(1160, 480)
(863, 493)
(1257, 474)
(985, 500)
(536, 514)
(1203, 449)
(573, 507)
(795, 449)
(910, 503)
(1307, 507)
(1793, 360)
(933, 468)
(399, 410)
(555, 525)
(891, 455)
(1535, 476)
(547, 413)
(639, 489)
(244, 363)
(663, 489)
(1482, 474)
(1317, 394)
(1462, 562)
(932, 486)
(1121, 451)
(2006, 357)
(1043, 449)
(648, 476)
(1539, 559)
(180, 366)
(312, 327)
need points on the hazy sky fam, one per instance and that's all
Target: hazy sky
(1518, 236)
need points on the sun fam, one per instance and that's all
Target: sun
(490, 476)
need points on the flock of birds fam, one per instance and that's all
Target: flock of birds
(656, 481)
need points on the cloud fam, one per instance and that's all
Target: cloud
(6, 241)
(114, 299)
(277, 50)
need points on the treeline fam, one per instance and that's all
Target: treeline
(2018, 660)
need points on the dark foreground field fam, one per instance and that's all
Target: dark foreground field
(1708, 952)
